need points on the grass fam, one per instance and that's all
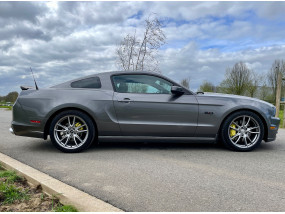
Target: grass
(65, 208)
(8, 190)
(8, 107)
(11, 193)
(10, 176)
(58, 207)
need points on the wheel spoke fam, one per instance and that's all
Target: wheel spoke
(64, 127)
(252, 128)
(69, 121)
(75, 140)
(247, 122)
(243, 121)
(67, 140)
(82, 131)
(236, 124)
(245, 141)
(249, 139)
(76, 136)
(253, 132)
(65, 136)
(235, 136)
(234, 128)
(57, 130)
(237, 140)
(73, 124)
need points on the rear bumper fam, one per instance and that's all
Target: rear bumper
(21, 124)
(273, 129)
(11, 130)
(24, 130)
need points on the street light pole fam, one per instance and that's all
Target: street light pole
(283, 125)
(278, 93)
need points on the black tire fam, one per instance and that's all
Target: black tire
(80, 116)
(228, 139)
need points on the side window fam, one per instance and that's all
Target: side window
(92, 82)
(142, 84)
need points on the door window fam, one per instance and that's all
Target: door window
(142, 84)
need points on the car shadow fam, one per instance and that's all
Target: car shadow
(154, 146)
(46, 146)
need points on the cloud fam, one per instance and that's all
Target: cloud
(211, 64)
(65, 40)
(20, 11)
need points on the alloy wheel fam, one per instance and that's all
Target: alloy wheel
(244, 131)
(71, 132)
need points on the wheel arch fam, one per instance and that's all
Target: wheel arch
(49, 120)
(251, 110)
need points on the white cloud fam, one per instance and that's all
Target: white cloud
(210, 65)
(65, 40)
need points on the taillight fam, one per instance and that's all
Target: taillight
(35, 121)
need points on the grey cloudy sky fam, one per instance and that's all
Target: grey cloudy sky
(65, 40)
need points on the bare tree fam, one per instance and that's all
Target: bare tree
(137, 54)
(237, 79)
(277, 67)
(185, 82)
(265, 92)
(207, 87)
(253, 84)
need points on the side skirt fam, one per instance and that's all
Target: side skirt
(157, 139)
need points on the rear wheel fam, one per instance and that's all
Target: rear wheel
(72, 131)
(242, 131)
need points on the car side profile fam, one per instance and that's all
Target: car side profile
(140, 106)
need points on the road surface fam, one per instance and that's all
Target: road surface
(162, 177)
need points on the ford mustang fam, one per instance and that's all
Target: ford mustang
(140, 106)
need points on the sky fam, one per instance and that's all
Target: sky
(65, 40)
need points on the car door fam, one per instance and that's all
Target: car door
(145, 106)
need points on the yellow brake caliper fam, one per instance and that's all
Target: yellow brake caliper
(232, 131)
(78, 124)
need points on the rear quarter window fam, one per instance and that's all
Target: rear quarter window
(92, 82)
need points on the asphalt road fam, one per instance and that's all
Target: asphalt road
(162, 177)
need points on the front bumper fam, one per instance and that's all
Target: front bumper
(273, 129)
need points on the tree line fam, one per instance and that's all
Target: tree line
(241, 80)
(11, 97)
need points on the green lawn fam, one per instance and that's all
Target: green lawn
(14, 190)
(7, 107)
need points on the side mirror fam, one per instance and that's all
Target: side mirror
(177, 90)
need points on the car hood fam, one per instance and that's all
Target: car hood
(232, 96)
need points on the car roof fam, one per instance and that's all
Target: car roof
(104, 74)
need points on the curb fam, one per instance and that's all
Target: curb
(65, 193)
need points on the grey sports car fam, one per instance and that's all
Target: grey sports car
(139, 106)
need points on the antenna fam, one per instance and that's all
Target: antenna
(34, 79)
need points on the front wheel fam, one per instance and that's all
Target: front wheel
(242, 131)
(72, 131)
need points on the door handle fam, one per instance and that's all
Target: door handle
(125, 100)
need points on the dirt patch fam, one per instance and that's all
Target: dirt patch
(17, 196)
